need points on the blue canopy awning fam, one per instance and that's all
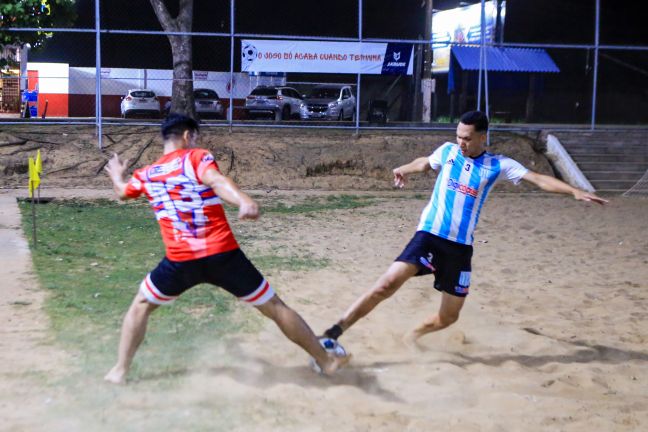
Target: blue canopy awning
(514, 60)
(505, 59)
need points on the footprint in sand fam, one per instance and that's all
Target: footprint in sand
(457, 338)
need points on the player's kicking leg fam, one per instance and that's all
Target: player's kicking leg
(395, 276)
(295, 328)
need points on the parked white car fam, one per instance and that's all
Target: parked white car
(277, 102)
(140, 102)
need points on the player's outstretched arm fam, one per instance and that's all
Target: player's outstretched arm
(231, 193)
(421, 164)
(116, 170)
(552, 184)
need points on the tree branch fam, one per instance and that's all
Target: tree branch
(139, 154)
(162, 13)
(185, 17)
(12, 143)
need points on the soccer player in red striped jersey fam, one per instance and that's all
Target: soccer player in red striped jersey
(186, 190)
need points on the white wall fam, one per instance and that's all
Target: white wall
(52, 77)
(117, 81)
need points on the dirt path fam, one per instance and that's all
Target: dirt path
(27, 356)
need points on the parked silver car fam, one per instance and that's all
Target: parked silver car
(329, 102)
(140, 102)
(207, 103)
(278, 102)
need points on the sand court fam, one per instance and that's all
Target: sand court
(552, 336)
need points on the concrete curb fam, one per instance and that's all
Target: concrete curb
(565, 165)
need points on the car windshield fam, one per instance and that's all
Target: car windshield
(205, 94)
(325, 93)
(142, 94)
(264, 91)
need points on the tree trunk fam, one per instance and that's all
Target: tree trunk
(182, 100)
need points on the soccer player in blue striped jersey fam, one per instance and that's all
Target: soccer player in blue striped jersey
(442, 244)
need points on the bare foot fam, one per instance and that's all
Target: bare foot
(410, 340)
(116, 376)
(333, 363)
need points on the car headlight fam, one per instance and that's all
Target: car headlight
(333, 104)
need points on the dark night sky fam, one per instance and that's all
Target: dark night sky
(548, 21)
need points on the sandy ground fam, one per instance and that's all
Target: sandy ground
(553, 336)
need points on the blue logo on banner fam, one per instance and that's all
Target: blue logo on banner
(397, 59)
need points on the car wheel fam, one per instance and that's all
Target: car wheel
(341, 115)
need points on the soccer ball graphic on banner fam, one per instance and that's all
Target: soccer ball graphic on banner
(248, 54)
(332, 347)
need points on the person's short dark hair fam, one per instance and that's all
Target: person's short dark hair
(476, 118)
(176, 124)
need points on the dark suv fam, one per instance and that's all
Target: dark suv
(277, 102)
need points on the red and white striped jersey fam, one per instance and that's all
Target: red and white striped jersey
(191, 216)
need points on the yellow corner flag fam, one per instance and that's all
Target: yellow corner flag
(34, 179)
(39, 163)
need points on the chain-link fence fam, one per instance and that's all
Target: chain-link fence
(340, 64)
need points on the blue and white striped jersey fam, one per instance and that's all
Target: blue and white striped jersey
(461, 188)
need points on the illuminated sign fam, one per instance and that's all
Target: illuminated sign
(462, 26)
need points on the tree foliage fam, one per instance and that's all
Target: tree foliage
(42, 14)
(33, 13)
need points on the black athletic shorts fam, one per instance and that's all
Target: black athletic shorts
(230, 270)
(448, 260)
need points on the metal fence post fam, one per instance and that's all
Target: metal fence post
(98, 114)
(596, 58)
(231, 92)
(484, 64)
(357, 116)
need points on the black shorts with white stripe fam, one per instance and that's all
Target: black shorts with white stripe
(230, 270)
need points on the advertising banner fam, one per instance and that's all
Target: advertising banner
(461, 25)
(259, 55)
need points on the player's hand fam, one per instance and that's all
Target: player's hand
(399, 178)
(248, 209)
(586, 196)
(115, 167)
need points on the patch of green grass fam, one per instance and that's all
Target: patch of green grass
(91, 256)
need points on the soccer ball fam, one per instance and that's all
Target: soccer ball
(332, 346)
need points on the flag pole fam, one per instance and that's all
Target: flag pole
(33, 206)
